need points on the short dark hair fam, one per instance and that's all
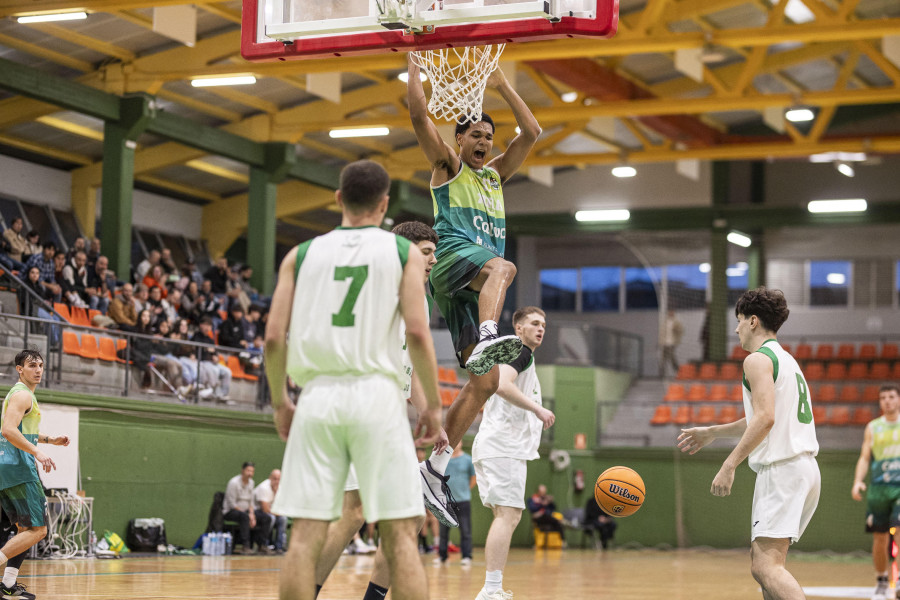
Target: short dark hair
(249, 463)
(523, 312)
(26, 355)
(49, 244)
(889, 387)
(363, 184)
(416, 231)
(34, 233)
(769, 306)
(463, 126)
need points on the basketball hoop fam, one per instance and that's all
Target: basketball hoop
(458, 78)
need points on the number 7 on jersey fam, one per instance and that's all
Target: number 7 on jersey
(357, 276)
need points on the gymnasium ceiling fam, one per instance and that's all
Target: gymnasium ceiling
(630, 102)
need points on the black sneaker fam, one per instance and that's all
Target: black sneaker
(437, 495)
(16, 592)
(493, 349)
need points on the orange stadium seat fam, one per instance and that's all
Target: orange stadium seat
(880, 371)
(846, 352)
(675, 393)
(862, 416)
(836, 370)
(662, 415)
(804, 352)
(718, 392)
(447, 396)
(730, 371)
(895, 372)
(870, 393)
(708, 371)
(868, 352)
(448, 375)
(697, 392)
(705, 415)
(121, 344)
(79, 316)
(858, 370)
(91, 314)
(737, 393)
(824, 352)
(814, 371)
(840, 415)
(71, 343)
(890, 351)
(826, 393)
(682, 415)
(727, 414)
(819, 414)
(849, 393)
(687, 371)
(89, 347)
(107, 347)
(63, 310)
(738, 353)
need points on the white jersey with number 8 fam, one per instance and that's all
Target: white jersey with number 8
(794, 431)
(345, 320)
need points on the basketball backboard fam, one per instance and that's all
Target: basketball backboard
(300, 29)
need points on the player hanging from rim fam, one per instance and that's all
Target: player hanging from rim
(341, 532)
(470, 279)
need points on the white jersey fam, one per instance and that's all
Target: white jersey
(507, 430)
(794, 431)
(407, 361)
(345, 320)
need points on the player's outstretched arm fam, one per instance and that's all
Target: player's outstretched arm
(276, 343)
(692, 439)
(510, 161)
(862, 465)
(512, 394)
(15, 411)
(440, 156)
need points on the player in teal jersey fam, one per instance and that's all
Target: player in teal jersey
(471, 276)
(880, 457)
(21, 492)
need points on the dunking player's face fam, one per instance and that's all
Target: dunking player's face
(475, 144)
(427, 248)
(889, 401)
(531, 330)
(31, 372)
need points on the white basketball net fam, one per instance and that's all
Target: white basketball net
(458, 78)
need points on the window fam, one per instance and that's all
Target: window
(686, 286)
(829, 282)
(600, 288)
(558, 289)
(640, 291)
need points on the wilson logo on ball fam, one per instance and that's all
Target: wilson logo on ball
(623, 492)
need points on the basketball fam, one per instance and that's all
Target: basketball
(619, 491)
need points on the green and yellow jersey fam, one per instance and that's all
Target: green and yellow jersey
(885, 466)
(469, 209)
(18, 466)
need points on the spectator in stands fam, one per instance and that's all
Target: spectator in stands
(16, 240)
(34, 245)
(145, 265)
(597, 520)
(156, 277)
(240, 506)
(669, 338)
(543, 511)
(174, 304)
(45, 264)
(166, 262)
(101, 281)
(235, 292)
(59, 264)
(190, 302)
(122, 312)
(209, 304)
(142, 348)
(215, 377)
(217, 275)
(265, 495)
(163, 357)
(93, 252)
(79, 245)
(141, 297)
(158, 305)
(232, 331)
(252, 324)
(38, 304)
(75, 277)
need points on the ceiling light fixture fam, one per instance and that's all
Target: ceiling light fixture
(404, 77)
(229, 80)
(837, 206)
(601, 216)
(799, 114)
(827, 157)
(739, 239)
(624, 171)
(67, 16)
(569, 97)
(845, 169)
(353, 132)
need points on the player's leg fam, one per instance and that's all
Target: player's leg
(767, 564)
(496, 550)
(298, 581)
(340, 533)
(402, 556)
(501, 486)
(492, 349)
(380, 580)
(880, 562)
(25, 506)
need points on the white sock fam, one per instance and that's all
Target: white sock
(493, 581)
(490, 326)
(9, 577)
(440, 461)
(3, 558)
(437, 541)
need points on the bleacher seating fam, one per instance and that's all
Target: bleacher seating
(803, 352)
(705, 415)
(708, 371)
(675, 393)
(850, 393)
(846, 352)
(868, 352)
(697, 392)
(826, 393)
(687, 371)
(662, 415)
(824, 352)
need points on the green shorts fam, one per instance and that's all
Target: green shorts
(25, 504)
(458, 263)
(882, 508)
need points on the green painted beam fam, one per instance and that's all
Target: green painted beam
(261, 229)
(209, 139)
(38, 85)
(316, 174)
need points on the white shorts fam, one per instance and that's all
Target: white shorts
(342, 421)
(785, 498)
(501, 481)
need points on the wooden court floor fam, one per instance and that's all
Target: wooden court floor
(530, 575)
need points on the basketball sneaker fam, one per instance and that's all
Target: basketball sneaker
(437, 495)
(492, 349)
(16, 592)
(498, 595)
